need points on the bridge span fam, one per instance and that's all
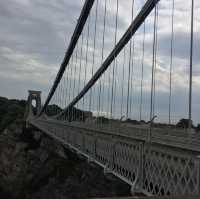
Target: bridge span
(121, 102)
(153, 168)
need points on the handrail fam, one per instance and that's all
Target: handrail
(159, 136)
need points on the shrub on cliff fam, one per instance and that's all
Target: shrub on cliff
(10, 111)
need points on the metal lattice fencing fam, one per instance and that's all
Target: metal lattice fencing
(103, 150)
(148, 167)
(170, 171)
(128, 159)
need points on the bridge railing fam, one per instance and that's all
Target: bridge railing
(149, 168)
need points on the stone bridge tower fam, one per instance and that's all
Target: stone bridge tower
(34, 95)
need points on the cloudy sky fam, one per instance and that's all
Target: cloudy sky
(34, 35)
(33, 39)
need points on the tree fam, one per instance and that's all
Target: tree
(183, 123)
(10, 111)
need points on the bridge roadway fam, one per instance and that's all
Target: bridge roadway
(168, 165)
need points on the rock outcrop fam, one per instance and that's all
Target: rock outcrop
(33, 166)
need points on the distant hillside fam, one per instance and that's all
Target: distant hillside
(10, 111)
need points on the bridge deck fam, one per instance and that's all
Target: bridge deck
(166, 136)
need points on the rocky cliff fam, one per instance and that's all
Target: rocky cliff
(33, 166)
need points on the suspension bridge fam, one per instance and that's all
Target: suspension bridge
(122, 90)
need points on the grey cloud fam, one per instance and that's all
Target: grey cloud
(34, 37)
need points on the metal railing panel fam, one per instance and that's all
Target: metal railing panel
(152, 168)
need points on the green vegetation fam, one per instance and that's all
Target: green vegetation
(10, 111)
(184, 123)
(73, 114)
(53, 110)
